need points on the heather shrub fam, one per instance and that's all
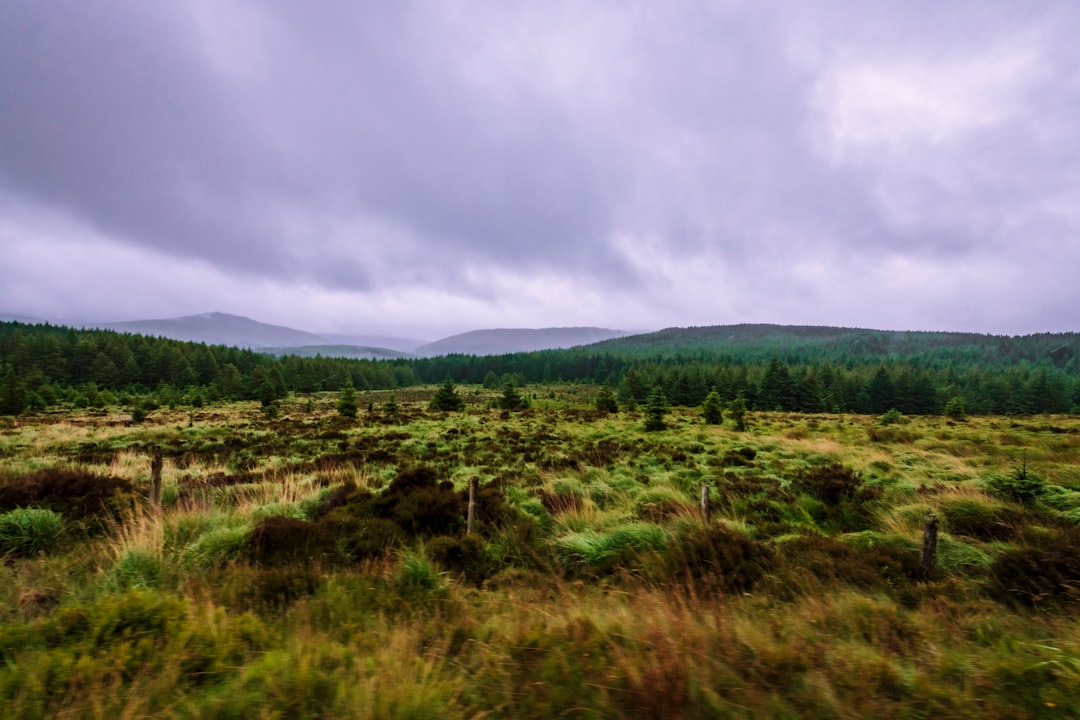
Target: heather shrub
(88, 502)
(717, 559)
(1040, 576)
(371, 538)
(279, 540)
(830, 483)
(466, 555)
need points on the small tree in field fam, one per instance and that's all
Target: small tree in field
(656, 407)
(511, 399)
(446, 398)
(346, 404)
(954, 409)
(605, 400)
(737, 410)
(712, 409)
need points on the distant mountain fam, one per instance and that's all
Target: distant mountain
(24, 319)
(402, 344)
(357, 352)
(503, 341)
(218, 329)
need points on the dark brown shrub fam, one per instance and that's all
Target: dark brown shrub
(465, 555)
(830, 483)
(85, 500)
(889, 565)
(739, 457)
(715, 558)
(1040, 576)
(372, 538)
(269, 589)
(288, 541)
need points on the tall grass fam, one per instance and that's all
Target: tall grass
(25, 532)
(613, 601)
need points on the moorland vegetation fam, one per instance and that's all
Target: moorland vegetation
(317, 561)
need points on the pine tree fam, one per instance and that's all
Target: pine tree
(446, 398)
(737, 410)
(346, 404)
(605, 400)
(511, 399)
(656, 407)
(712, 409)
(12, 394)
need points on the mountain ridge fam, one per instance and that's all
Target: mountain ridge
(503, 341)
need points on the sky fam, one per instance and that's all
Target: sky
(427, 168)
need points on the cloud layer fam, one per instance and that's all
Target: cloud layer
(433, 167)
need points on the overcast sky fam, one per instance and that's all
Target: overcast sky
(429, 168)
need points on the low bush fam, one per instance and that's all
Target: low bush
(1041, 576)
(1019, 486)
(279, 540)
(87, 501)
(467, 556)
(25, 532)
(718, 559)
(371, 538)
(262, 589)
(833, 484)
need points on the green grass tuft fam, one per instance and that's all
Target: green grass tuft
(25, 532)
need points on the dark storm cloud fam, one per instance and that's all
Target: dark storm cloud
(797, 155)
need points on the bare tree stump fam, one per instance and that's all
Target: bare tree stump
(705, 504)
(472, 506)
(156, 463)
(929, 543)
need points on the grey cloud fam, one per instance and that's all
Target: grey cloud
(359, 146)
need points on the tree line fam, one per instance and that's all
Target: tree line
(43, 366)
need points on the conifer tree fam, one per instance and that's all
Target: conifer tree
(446, 398)
(605, 400)
(346, 404)
(737, 410)
(511, 399)
(656, 407)
(712, 409)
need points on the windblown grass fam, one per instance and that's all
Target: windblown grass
(596, 590)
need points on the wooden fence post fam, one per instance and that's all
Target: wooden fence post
(929, 543)
(156, 463)
(705, 504)
(472, 506)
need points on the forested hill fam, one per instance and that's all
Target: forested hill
(803, 343)
(772, 367)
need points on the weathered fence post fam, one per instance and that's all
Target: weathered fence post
(705, 504)
(156, 463)
(929, 543)
(472, 506)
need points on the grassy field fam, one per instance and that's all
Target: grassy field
(311, 565)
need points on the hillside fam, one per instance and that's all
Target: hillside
(834, 343)
(217, 328)
(515, 340)
(358, 352)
